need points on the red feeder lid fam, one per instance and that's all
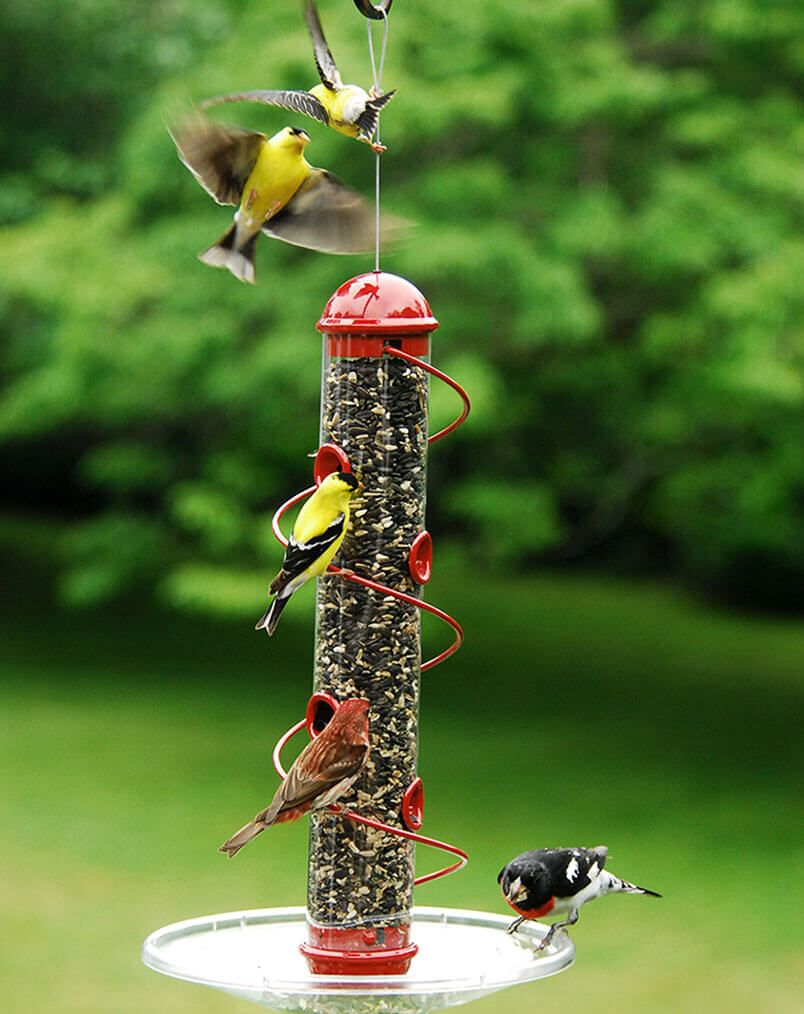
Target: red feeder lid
(377, 301)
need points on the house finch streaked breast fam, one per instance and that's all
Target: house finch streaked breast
(325, 769)
(559, 881)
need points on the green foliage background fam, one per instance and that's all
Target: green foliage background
(609, 201)
(609, 208)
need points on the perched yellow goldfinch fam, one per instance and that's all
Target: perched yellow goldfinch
(277, 192)
(347, 108)
(316, 538)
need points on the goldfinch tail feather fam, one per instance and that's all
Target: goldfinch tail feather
(270, 617)
(367, 121)
(225, 254)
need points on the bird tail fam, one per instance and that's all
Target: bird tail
(227, 254)
(270, 617)
(247, 832)
(243, 837)
(381, 101)
(367, 121)
(629, 888)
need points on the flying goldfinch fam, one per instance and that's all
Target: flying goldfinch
(276, 191)
(346, 108)
(559, 881)
(316, 538)
(324, 771)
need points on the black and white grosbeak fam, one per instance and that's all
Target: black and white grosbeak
(560, 881)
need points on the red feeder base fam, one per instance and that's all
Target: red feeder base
(381, 950)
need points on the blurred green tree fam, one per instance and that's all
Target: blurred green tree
(609, 198)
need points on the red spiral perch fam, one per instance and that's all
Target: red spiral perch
(374, 415)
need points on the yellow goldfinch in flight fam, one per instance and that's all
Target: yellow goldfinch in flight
(277, 192)
(346, 108)
(316, 538)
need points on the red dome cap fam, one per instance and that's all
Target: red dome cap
(377, 301)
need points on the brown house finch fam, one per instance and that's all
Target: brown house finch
(324, 770)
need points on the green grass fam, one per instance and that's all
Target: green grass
(580, 711)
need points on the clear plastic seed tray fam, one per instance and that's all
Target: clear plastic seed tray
(254, 955)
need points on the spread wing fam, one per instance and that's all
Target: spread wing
(324, 61)
(324, 214)
(298, 102)
(221, 158)
(301, 555)
(367, 121)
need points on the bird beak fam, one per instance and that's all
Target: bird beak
(304, 136)
(516, 892)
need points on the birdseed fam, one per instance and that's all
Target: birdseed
(368, 644)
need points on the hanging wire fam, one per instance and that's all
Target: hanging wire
(377, 89)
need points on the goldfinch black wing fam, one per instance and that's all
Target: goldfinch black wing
(324, 61)
(301, 555)
(221, 158)
(367, 121)
(298, 102)
(324, 214)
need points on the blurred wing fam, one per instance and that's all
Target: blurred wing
(298, 102)
(324, 62)
(324, 214)
(221, 158)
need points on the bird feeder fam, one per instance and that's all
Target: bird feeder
(374, 422)
(361, 945)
